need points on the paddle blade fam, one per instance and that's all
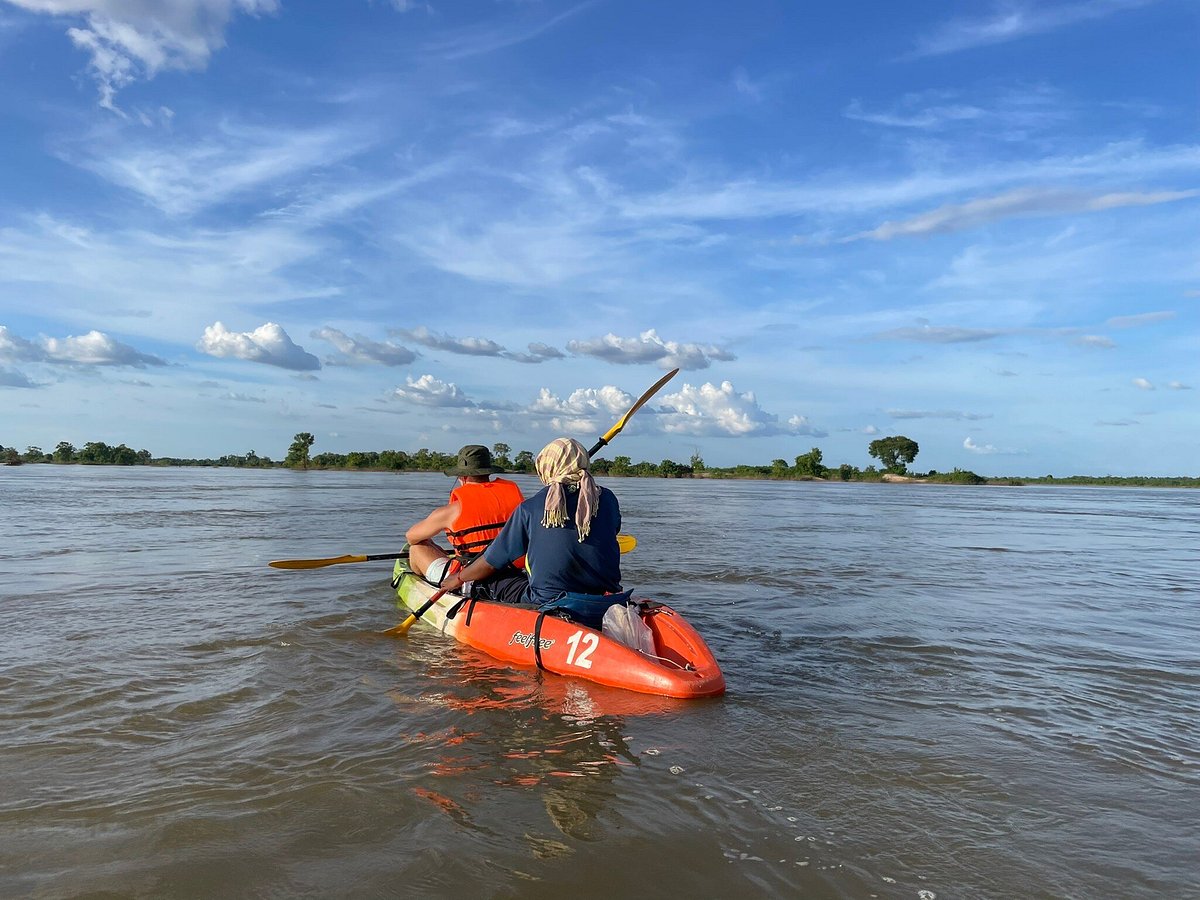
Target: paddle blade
(402, 629)
(315, 563)
(654, 389)
(626, 542)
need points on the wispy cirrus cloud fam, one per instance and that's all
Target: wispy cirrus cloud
(92, 349)
(359, 349)
(648, 347)
(1022, 202)
(952, 414)
(127, 40)
(489, 38)
(184, 174)
(931, 334)
(1140, 319)
(1097, 341)
(1010, 21)
(268, 344)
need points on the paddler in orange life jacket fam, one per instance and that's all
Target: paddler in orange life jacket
(478, 508)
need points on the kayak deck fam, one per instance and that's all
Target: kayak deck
(682, 666)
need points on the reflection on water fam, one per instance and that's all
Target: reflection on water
(958, 691)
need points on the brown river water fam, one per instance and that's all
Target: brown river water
(933, 692)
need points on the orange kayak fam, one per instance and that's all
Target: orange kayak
(681, 666)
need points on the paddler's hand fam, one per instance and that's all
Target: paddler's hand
(452, 582)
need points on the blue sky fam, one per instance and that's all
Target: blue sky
(406, 224)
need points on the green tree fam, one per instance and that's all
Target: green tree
(621, 465)
(64, 452)
(500, 456)
(894, 452)
(779, 468)
(34, 454)
(524, 461)
(297, 455)
(668, 468)
(95, 453)
(697, 463)
(809, 464)
(11, 456)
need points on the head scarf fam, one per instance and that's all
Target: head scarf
(563, 465)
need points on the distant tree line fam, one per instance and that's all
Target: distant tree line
(895, 453)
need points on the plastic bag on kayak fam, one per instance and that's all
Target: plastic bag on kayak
(623, 623)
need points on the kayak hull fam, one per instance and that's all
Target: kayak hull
(682, 665)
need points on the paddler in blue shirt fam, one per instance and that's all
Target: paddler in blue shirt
(568, 534)
(479, 506)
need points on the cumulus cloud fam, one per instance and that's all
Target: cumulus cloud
(1022, 202)
(361, 349)
(14, 348)
(929, 334)
(985, 449)
(1143, 384)
(430, 391)
(92, 349)
(537, 353)
(648, 347)
(268, 344)
(719, 410)
(585, 409)
(97, 349)
(131, 39)
(937, 414)
(470, 346)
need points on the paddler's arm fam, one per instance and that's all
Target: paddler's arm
(476, 571)
(433, 524)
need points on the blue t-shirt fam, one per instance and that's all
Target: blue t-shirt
(557, 561)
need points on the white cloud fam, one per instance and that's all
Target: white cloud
(361, 349)
(470, 346)
(430, 391)
(537, 353)
(268, 344)
(585, 409)
(15, 348)
(1013, 20)
(969, 444)
(928, 334)
(648, 347)
(97, 349)
(1095, 340)
(1016, 203)
(1179, 386)
(1140, 319)
(487, 39)
(131, 39)
(1143, 384)
(188, 173)
(937, 414)
(92, 349)
(719, 410)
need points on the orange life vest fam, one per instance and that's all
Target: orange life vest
(484, 508)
